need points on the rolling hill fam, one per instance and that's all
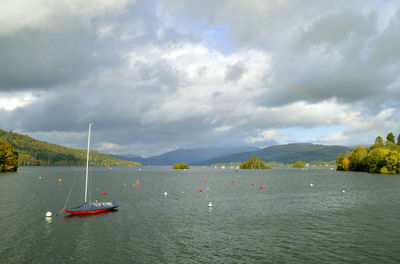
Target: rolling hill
(289, 153)
(39, 153)
(189, 156)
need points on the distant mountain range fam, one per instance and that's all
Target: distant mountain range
(289, 153)
(196, 156)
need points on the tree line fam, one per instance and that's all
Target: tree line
(381, 157)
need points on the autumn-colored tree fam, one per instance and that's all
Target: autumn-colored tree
(8, 157)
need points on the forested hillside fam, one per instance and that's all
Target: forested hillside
(39, 153)
(289, 153)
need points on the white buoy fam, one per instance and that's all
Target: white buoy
(311, 184)
(49, 214)
(165, 193)
(343, 190)
(40, 177)
(210, 205)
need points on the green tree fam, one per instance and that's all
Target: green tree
(339, 162)
(398, 140)
(180, 166)
(390, 139)
(376, 159)
(379, 140)
(357, 159)
(254, 163)
(299, 164)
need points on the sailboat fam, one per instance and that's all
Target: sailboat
(90, 207)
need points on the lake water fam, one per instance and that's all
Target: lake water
(288, 221)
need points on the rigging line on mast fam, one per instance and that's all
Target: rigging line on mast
(69, 193)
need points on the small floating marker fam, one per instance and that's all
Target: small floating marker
(60, 180)
(162, 179)
(104, 193)
(312, 185)
(49, 214)
(13, 179)
(140, 169)
(343, 190)
(233, 181)
(252, 184)
(133, 185)
(120, 178)
(210, 205)
(165, 193)
(40, 177)
(205, 180)
(261, 187)
(201, 190)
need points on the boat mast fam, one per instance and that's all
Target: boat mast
(87, 162)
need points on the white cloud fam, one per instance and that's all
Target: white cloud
(10, 101)
(266, 135)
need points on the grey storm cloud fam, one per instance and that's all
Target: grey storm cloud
(159, 75)
(234, 72)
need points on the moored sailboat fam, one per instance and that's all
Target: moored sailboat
(90, 207)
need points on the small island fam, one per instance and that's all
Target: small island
(254, 164)
(8, 157)
(180, 166)
(299, 164)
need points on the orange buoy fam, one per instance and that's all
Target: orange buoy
(201, 190)
(104, 193)
(137, 181)
(60, 180)
(261, 187)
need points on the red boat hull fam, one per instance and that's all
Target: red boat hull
(89, 211)
(92, 208)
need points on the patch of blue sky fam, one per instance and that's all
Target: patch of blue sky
(218, 38)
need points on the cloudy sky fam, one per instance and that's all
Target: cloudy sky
(166, 74)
